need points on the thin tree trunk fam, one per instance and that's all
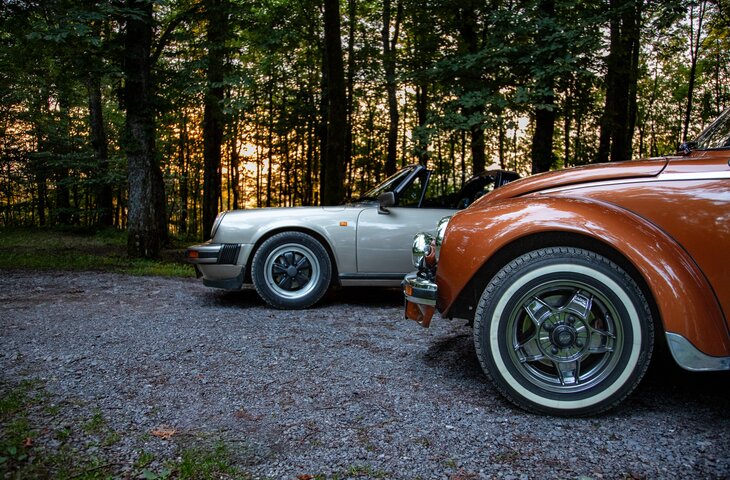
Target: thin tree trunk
(235, 166)
(542, 140)
(352, 24)
(104, 196)
(470, 43)
(422, 100)
(213, 118)
(337, 108)
(695, 43)
(183, 165)
(389, 62)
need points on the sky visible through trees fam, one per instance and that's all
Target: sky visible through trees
(152, 116)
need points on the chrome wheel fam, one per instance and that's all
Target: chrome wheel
(292, 271)
(563, 331)
(564, 336)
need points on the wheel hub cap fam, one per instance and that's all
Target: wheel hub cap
(563, 336)
(292, 271)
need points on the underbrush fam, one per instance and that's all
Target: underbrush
(85, 249)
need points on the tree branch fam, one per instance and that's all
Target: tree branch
(167, 33)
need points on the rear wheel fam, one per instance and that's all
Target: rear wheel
(563, 331)
(291, 270)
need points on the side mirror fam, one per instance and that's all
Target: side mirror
(686, 148)
(385, 200)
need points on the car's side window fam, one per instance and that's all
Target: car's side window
(411, 195)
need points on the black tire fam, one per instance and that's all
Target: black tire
(291, 270)
(563, 331)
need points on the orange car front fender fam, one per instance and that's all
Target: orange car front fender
(685, 300)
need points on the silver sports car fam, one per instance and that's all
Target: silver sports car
(293, 255)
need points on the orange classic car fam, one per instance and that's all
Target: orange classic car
(570, 278)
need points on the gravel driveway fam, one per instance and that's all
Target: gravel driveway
(347, 389)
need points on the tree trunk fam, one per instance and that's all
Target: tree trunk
(352, 21)
(542, 140)
(337, 108)
(213, 119)
(322, 128)
(422, 118)
(469, 37)
(235, 162)
(183, 165)
(389, 60)
(619, 116)
(270, 142)
(61, 173)
(146, 223)
(104, 196)
(695, 42)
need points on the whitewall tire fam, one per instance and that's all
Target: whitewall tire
(563, 331)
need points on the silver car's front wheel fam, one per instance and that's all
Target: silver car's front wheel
(291, 270)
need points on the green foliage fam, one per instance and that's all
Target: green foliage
(471, 67)
(202, 464)
(75, 249)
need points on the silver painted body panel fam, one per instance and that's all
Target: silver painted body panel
(368, 247)
(385, 242)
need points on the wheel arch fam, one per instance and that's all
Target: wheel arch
(312, 233)
(614, 233)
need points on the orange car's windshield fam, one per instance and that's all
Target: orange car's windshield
(716, 135)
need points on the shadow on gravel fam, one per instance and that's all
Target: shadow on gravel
(364, 296)
(246, 298)
(358, 296)
(665, 387)
(666, 381)
(456, 355)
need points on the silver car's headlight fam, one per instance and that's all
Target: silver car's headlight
(422, 245)
(217, 223)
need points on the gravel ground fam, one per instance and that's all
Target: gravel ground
(346, 389)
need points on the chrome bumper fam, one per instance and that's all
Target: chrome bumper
(420, 298)
(690, 358)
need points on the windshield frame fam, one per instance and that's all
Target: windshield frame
(390, 184)
(716, 136)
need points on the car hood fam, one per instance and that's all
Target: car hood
(271, 214)
(246, 226)
(578, 175)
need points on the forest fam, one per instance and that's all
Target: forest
(151, 116)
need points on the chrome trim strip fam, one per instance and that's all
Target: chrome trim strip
(694, 176)
(662, 177)
(690, 358)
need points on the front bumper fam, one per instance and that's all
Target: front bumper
(213, 253)
(420, 298)
(217, 263)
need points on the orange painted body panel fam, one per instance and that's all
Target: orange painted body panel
(674, 228)
(541, 181)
